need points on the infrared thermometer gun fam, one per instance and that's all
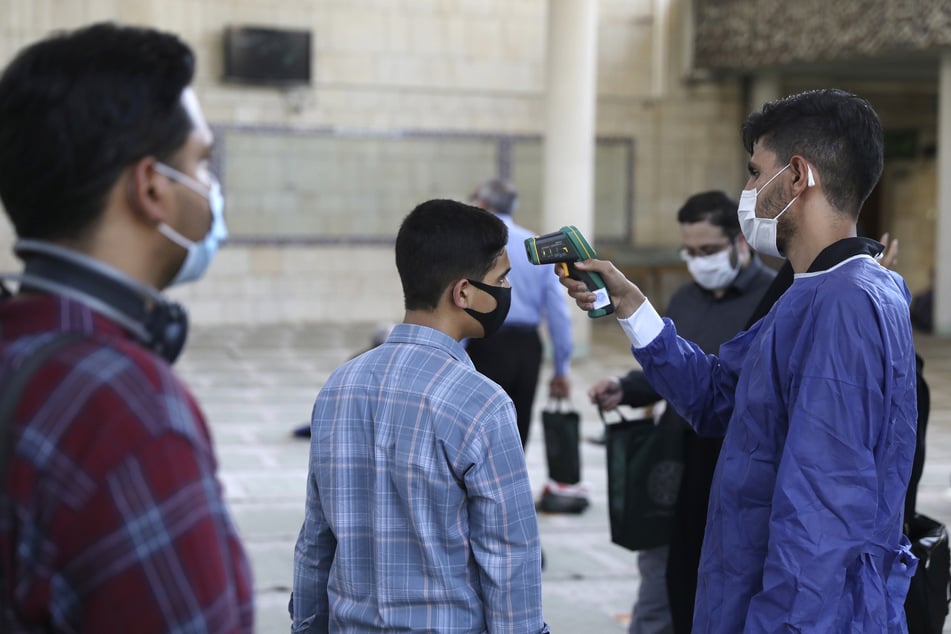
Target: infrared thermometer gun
(565, 247)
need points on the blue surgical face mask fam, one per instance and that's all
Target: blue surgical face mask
(199, 254)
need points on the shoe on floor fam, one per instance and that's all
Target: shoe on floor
(572, 502)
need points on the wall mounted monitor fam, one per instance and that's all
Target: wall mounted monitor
(268, 56)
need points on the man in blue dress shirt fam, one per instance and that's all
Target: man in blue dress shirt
(419, 513)
(513, 356)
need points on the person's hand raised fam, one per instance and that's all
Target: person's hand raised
(890, 255)
(625, 295)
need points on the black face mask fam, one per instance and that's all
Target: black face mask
(492, 321)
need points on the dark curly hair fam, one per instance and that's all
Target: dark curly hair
(836, 131)
(442, 241)
(715, 207)
(75, 110)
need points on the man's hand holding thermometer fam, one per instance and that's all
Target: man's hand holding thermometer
(597, 286)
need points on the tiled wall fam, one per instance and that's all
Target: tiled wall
(391, 67)
(322, 186)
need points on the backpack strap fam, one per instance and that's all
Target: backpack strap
(13, 390)
(9, 399)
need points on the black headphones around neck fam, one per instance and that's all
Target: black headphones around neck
(159, 324)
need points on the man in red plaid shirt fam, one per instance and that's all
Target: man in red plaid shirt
(111, 515)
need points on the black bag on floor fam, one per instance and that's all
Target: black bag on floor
(562, 447)
(645, 466)
(926, 605)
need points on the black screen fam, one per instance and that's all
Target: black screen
(267, 56)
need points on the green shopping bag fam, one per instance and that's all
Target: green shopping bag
(645, 466)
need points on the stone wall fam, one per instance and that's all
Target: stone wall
(752, 34)
(415, 73)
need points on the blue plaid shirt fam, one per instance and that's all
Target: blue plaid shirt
(419, 510)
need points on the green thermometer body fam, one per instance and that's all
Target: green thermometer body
(567, 246)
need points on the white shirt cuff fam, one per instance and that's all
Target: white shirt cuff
(643, 326)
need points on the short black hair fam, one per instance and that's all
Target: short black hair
(836, 131)
(715, 207)
(441, 241)
(75, 110)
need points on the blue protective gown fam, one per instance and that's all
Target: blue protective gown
(818, 406)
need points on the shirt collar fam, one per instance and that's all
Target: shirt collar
(424, 335)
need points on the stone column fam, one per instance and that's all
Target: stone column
(571, 83)
(763, 88)
(942, 264)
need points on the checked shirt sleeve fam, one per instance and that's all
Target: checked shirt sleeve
(162, 554)
(504, 530)
(127, 530)
(313, 556)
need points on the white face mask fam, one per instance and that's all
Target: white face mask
(201, 253)
(715, 271)
(760, 233)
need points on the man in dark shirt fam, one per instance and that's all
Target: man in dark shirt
(111, 515)
(729, 282)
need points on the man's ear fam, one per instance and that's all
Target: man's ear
(805, 174)
(149, 191)
(460, 293)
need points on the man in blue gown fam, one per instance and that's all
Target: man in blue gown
(816, 401)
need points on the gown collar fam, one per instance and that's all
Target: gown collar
(843, 250)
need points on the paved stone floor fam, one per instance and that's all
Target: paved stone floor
(257, 383)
